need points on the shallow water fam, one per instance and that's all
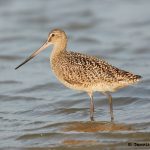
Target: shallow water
(36, 111)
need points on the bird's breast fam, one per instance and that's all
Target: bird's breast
(66, 75)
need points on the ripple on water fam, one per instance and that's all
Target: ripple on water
(15, 98)
(8, 58)
(11, 82)
(85, 133)
(96, 126)
(42, 87)
(37, 115)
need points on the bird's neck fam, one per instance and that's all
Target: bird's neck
(58, 48)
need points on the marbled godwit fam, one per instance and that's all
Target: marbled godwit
(81, 72)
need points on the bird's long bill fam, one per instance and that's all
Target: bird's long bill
(45, 45)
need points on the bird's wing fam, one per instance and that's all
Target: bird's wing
(81, 68)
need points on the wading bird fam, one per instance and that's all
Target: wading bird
(82, 72)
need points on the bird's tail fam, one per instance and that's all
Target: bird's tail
(130, 77)
(135, 78)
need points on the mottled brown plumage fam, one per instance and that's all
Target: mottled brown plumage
(82, 72)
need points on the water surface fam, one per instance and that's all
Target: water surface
(36, 111)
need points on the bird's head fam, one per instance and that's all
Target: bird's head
(55, 37)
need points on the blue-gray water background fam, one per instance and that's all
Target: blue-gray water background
(36, 111)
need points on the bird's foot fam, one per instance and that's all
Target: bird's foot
(91, 118)
(112, 119)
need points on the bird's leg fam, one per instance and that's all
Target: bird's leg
(110, 105)
(91, 106)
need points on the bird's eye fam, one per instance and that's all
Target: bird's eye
(52, 35)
